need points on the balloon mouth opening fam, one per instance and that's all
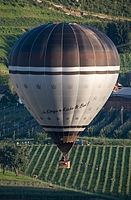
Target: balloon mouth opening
(64, 141)
(65, 147)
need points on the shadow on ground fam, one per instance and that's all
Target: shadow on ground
(28, 193)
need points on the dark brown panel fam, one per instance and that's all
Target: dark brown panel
(15, 51)
(85, 48)
(26, 47)
(99, 51)
(64, 45)
(70, 49)
(37, 54)
(110, 49)
(53, 53)
(14, 55)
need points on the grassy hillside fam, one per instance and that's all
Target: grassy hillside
(113, 8)
(17, 17)
(99, 169)
(21, 180)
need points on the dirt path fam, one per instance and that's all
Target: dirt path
(86, 13)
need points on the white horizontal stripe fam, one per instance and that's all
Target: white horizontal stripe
(65, 69)
(99, 68)
(64, 129)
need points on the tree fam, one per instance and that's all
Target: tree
(3, 160)
(12, 156)
(40, 137)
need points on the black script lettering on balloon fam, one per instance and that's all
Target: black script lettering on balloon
(65, 109)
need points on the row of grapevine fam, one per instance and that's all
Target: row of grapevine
(51, 163)
(79, 166)
(89, 168)
(47, 164)
(44, 163)
(30, 163)
(128, 191)
(126, 170)
(85, 171)
(110, 172)
(122, 169)
(117, 171)
(31, 152)
(41, 160)
(93, 168)
(76, 164)
(107, 170)
(83, 165)
(72, 168)
(38, 160)
(55, 167)
(100, 168)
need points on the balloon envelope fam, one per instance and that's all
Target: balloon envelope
(64, 74)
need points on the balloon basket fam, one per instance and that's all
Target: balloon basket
(64, 164)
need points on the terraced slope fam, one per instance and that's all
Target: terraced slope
(99, 169)
(16, 120)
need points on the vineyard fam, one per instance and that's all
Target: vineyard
(108, 124)
(97, 168)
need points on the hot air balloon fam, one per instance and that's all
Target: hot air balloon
(64, 74)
